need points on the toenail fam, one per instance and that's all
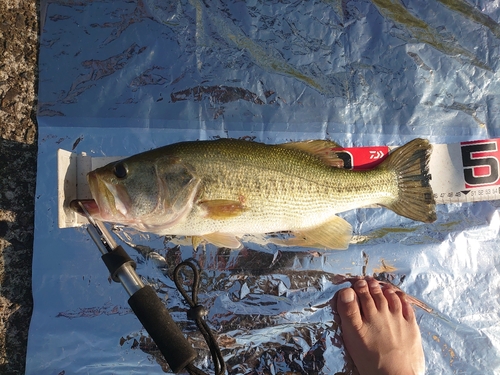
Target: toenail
(374, 284)
(360, 283)
(347, 295)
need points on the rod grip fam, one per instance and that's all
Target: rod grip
(167, 335)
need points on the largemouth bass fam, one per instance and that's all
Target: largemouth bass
(217, 191)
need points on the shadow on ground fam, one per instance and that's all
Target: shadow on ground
(17, 198)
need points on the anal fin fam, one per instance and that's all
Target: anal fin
(222, 240)
(335, 234)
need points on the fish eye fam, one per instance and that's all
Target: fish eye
(120, 170)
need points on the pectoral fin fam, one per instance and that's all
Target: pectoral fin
(322, 149)
(222, 240)
(220, 209)
(335, 234)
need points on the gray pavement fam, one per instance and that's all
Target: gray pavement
(18, 150)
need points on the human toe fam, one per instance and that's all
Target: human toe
(393, 300)
(365, 298)
(377, 294)
(407, 309)
(348, 308)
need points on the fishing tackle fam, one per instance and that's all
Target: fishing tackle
(148, 307)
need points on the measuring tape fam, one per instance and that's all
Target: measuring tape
(460, 172)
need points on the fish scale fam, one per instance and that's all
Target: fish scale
(300, 204)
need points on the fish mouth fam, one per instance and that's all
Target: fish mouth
(89, 205)
(107, 204)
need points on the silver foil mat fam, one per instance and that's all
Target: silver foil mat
(117, 78)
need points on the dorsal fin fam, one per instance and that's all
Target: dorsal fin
(320, 148)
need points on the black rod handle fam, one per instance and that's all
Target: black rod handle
(167, 335)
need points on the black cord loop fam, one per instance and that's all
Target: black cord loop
(197, 313)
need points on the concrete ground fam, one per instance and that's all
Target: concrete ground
(18, 150)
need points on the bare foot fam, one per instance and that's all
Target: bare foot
(379, 329)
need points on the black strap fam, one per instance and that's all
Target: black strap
(197, 313)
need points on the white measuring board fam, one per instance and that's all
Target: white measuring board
(72, 169)
(460, 173)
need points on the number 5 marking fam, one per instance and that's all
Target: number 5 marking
(480, 162)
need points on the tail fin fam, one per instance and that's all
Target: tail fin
(411, 163)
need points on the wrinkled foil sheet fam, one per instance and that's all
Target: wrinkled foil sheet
(120, 77)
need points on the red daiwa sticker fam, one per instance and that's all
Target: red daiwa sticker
(362, 158)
